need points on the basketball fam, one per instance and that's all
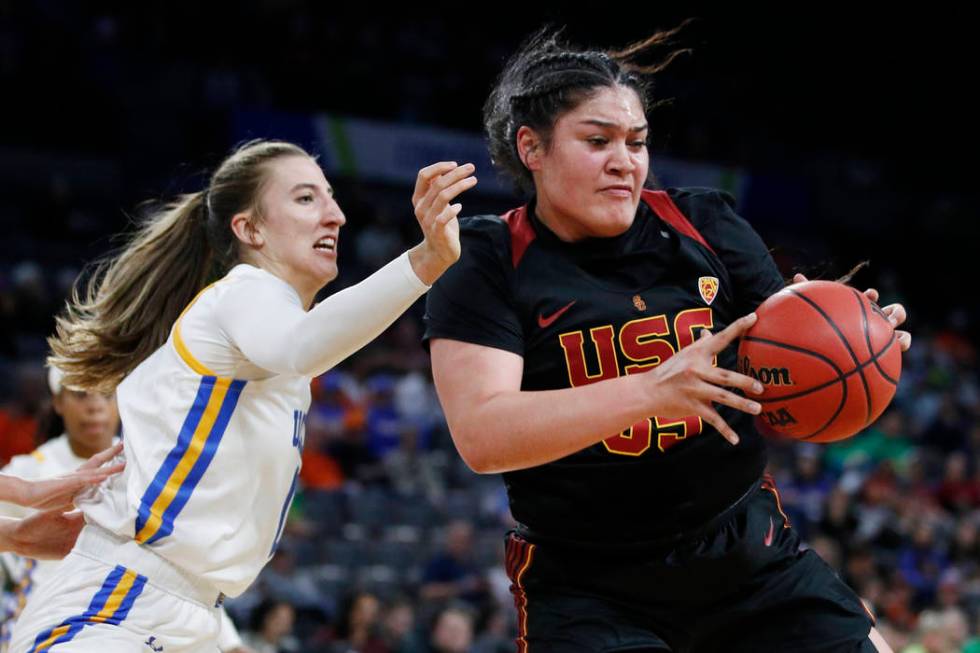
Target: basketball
(828, 360)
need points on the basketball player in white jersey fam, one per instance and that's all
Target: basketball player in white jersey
(213, 387)
(89, 421)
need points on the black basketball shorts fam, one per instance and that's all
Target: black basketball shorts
(741, 585)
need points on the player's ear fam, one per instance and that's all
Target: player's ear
(245, 230)
(529, 148)
(58, 404)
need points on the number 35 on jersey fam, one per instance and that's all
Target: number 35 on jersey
(639, 346)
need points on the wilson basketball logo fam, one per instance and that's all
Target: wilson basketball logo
(708, 287)
(764, 375)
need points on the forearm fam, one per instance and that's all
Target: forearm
(291, 340)
(348, 320)
(498, 427)
(519, 429)
(12, 489)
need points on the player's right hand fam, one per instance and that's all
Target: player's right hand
(688, 383)
(436, 187)
(47, 535)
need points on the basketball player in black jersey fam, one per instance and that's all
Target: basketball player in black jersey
(586, 313)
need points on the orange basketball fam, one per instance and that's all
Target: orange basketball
(827, 357)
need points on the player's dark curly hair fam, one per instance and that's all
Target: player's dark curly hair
(548, 77)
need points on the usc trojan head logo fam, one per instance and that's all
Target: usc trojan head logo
(708, 287)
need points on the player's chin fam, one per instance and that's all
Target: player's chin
(326, 272)
(613, 221)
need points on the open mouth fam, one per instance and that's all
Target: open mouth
(326, 244)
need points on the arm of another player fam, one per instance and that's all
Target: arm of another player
(43, 535)
(894, 312)
(310, 343)
(58, 492)
(498, 427)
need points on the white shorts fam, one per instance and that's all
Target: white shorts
(116, 596)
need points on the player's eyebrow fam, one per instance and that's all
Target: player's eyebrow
(312, 187)
(608, 124)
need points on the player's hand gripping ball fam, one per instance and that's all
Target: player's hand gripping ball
(828, 358)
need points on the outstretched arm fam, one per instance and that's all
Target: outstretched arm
(497, 427)
(294, 341)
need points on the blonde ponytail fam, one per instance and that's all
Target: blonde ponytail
(131, 301)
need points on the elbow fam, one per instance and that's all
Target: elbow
(474, 455)
(480, 465)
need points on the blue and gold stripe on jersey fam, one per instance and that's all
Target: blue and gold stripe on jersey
(197, 443)
(186, 463)
(110, 605)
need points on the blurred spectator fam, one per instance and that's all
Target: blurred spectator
(805, 491)
(957, 492)
(947, 432)
(385, 426)
(885, 440)
(840, 518)
(451, 632)
(358, 626)
(451, 573)
(271, 628)
(494, 633)
(921, 562)
(398, 627)
(333, 406)
(415, 472)
(320, 470)
(284, 581)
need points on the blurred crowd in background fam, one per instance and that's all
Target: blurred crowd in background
(392, 544)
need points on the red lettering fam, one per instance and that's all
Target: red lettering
(637, 341)
(578, 373)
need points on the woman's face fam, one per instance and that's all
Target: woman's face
(588, 180)
(297, 235)
(279, 622)
(91, 419)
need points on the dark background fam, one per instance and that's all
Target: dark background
(863, 126)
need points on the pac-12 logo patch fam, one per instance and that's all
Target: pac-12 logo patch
(708, 287)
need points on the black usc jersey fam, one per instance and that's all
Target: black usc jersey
(583, 312)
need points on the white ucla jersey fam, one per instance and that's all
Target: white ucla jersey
(213, 421)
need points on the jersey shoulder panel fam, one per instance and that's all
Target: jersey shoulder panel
(489, 232)
(737, 244)
(473, 301)
(701, 204)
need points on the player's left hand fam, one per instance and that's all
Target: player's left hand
(436, 187)
(59, 492)
(894, 312)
